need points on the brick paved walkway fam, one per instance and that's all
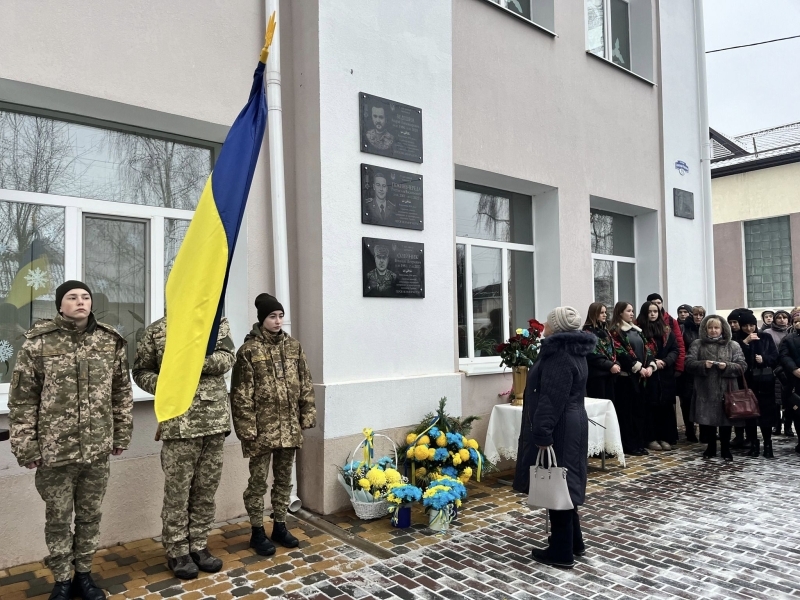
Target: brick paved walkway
(671, 525)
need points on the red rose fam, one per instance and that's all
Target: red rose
(534, 324)
(499, 349)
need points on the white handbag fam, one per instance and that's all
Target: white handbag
(548, 486)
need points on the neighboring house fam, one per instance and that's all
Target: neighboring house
(560, 140)
(756, 199)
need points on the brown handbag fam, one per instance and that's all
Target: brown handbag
(741, 404)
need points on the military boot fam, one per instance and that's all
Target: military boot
(62, 590)
(260, 542)
(83, 587)
(206, 561)
(182, 567)
(281, 535)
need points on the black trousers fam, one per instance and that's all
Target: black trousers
(565, 534)
(630, 406)
(708, 435)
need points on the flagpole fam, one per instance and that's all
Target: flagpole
(280, 239)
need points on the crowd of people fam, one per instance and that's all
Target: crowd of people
(644, 363)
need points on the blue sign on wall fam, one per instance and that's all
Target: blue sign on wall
(682, 167)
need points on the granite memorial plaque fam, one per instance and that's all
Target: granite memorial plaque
(393, 269)
(684, 203)
(391, 198)
(390, 129)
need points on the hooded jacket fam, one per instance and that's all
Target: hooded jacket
(553, 412)
(675, 328)
(272, 395)
(70, 399)
(208, 412)
(710, 384)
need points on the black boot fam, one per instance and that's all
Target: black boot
(206, 561)
(281, 535)
(787, 428)
(755, 448)
(62, 590)
(690, 436)
(737, 443)
(182, 567)
(711, 451)
(260, 542)
(725, 450)
(768, 449)
(83, 587)
(543, 556)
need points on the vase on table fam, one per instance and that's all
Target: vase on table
(520, 376)
(439, 520)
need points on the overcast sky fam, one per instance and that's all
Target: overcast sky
(756, 87)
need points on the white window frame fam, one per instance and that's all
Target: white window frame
(616, 260)
(607, 42)
(74, 210)
(483, 365)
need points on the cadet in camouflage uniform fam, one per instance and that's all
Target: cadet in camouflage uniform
(191, 454)
(272, 398)
(69, 408)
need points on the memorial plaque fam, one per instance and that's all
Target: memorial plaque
(390, 129)
(391, 198)
(393, 269)
(684, 203)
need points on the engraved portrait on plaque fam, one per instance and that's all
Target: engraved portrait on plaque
(390, 128)
(391, 198)
(393, 269)
(684, 203)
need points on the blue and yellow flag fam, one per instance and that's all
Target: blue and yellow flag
(197, 282)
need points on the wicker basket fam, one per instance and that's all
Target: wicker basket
(367, 511)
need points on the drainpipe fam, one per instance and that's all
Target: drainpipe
(705, 157)
(280, 240)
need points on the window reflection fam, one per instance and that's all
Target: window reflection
(487, 300)
(604, 283)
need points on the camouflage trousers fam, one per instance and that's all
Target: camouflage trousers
(282, 461)
(79, 487)
(192, 469)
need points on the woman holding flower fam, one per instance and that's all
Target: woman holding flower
(602, 361)
(636, 357)
(554, 415)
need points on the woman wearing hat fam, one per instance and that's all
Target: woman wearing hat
(554, 416)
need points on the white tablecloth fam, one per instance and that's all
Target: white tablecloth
(504, 425)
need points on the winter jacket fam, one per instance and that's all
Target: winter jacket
(789, 357)
(208, 413)
(675, 328)
(272, 395)
(661, 387)
(553, 412)
(711, 384)
(632, 365)
(777, 335)
(70, 399)
(759, 377)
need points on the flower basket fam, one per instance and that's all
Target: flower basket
(369, 508)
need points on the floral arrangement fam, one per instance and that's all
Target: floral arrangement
(442, 499)
(365, 482)
(401, 494)
(440, 446)
(522, 349)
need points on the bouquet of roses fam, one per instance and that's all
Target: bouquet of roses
(522, 349)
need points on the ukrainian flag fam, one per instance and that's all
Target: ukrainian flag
(197, 282)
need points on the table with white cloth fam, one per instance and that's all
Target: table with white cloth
(502, 437)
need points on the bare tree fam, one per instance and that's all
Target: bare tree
(493, 216)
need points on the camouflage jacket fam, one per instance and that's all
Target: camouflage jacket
(208, 413)
(272, 395)
(70, 399)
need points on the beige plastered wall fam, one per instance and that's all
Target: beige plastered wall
(538, 109)
(167, 67)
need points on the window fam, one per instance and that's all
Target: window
(768, 262)
(82, 202)
(613, 258)
(620, 31)
(538, 12)
(494, 269)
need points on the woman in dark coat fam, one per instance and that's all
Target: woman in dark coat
(661, 425)
(761, 356)
(554, 415)
(789, 356)
(602, 361)
(716, 362)
(691, 331)
(637, 359)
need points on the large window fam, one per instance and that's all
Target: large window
(608, 31)
(768, 266)
(494, 260)
(613, 258)
(82, 202)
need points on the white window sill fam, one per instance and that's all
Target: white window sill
(482, 368)
(623, 69)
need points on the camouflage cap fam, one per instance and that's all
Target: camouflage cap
(381, 251)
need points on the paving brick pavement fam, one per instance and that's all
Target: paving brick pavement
(671, 525)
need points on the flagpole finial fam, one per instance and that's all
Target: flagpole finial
(268, 38)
